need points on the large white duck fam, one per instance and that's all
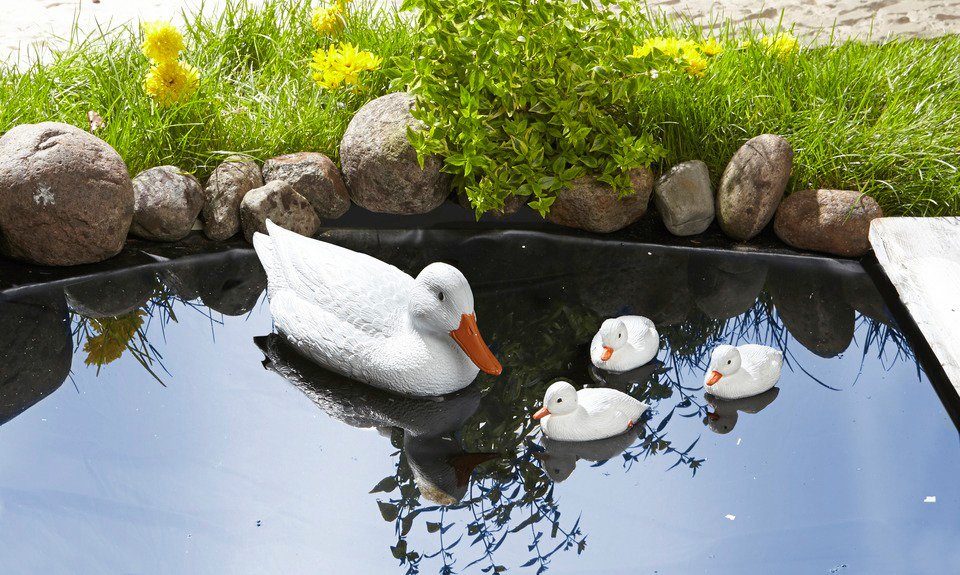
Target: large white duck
(624, 343)
(366, 319)
(742, 371)
(588, 414)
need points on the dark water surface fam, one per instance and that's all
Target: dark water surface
(208, 447)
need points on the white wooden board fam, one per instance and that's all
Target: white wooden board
(921, 256)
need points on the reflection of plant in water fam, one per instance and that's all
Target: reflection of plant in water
(106, 339)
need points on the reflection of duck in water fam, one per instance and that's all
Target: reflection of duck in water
(440, 466)
(625, 380)
(559, 458)
(724, 416)
(368, 320)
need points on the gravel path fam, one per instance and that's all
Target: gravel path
(29, 24)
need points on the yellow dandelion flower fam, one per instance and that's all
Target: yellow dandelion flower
(781, 44)
(328, 21)
(696, 66)
(112, 337)
(710, 47)
(171, 82)
(642, 51)
(161, 41)
(342, 64)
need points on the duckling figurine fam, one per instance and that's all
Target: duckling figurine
(624, 343)
(742, 371)
(588, 414)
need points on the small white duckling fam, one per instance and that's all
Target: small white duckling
(736, 372)
(588, 414)
(624, 343)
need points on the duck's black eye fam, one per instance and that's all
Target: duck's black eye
(440, 295)
(729, 361)
(559, 400)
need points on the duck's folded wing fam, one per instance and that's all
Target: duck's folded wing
(361, 290)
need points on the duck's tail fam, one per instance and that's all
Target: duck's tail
(266, 251)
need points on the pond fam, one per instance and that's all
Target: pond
(150, 422)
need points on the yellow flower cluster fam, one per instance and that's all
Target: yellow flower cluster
(111, 339)
(329, 20)
(782, 45)
(692, 55)
(341, 64)
(169, 80)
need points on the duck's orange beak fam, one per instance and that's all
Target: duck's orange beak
(468, 338)
(607, 352)
(543, 412)
(714, 377)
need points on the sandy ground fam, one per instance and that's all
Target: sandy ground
(26, 26)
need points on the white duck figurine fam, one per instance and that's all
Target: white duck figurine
(624, 343)
(588, 414)
(742, 371)
(371, 322)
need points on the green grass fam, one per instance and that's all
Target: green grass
(883, 119)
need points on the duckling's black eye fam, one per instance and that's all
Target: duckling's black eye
(440, 295)
(619, 335)
(729, 361)
(559, 400)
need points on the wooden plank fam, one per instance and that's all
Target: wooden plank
(921, 257)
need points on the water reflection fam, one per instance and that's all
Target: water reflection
(540, 302)
(724, 416)
(440, 466)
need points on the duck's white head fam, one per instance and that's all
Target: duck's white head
(724, 361)
(613, 335)
(441, 302)
(560, 399)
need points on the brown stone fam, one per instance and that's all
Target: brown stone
(591, 205)
(752, 186)
(228, 183)
(166, 203)
(313, 176)
(281, 204)
(832, 221)
(66, 197)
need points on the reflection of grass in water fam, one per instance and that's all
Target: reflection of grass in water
(537, 344)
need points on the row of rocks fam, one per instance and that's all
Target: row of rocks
(66, 196)
(750, 196)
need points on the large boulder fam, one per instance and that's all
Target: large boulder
(66, 197)
(313, 176)
(38, 350)
(279, 202)
(166, 203)
(833, 221)
(228, 183)
(589, 204)
(380, 166)
(752, 186)
(684, 198)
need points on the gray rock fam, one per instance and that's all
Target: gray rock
(313, 176)
(833, 221)
(278, 202)
(684, 198)
(752, 186)
(113, 295)
(591, 205)
(380, 166)
(166, 203)
(227, 185)
(38, 350)
(65, 195)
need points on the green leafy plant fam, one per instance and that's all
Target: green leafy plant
(521, 97)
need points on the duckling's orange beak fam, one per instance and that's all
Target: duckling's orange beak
(714, 378)
(468, 338)
(543, 412)
(607, 352)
